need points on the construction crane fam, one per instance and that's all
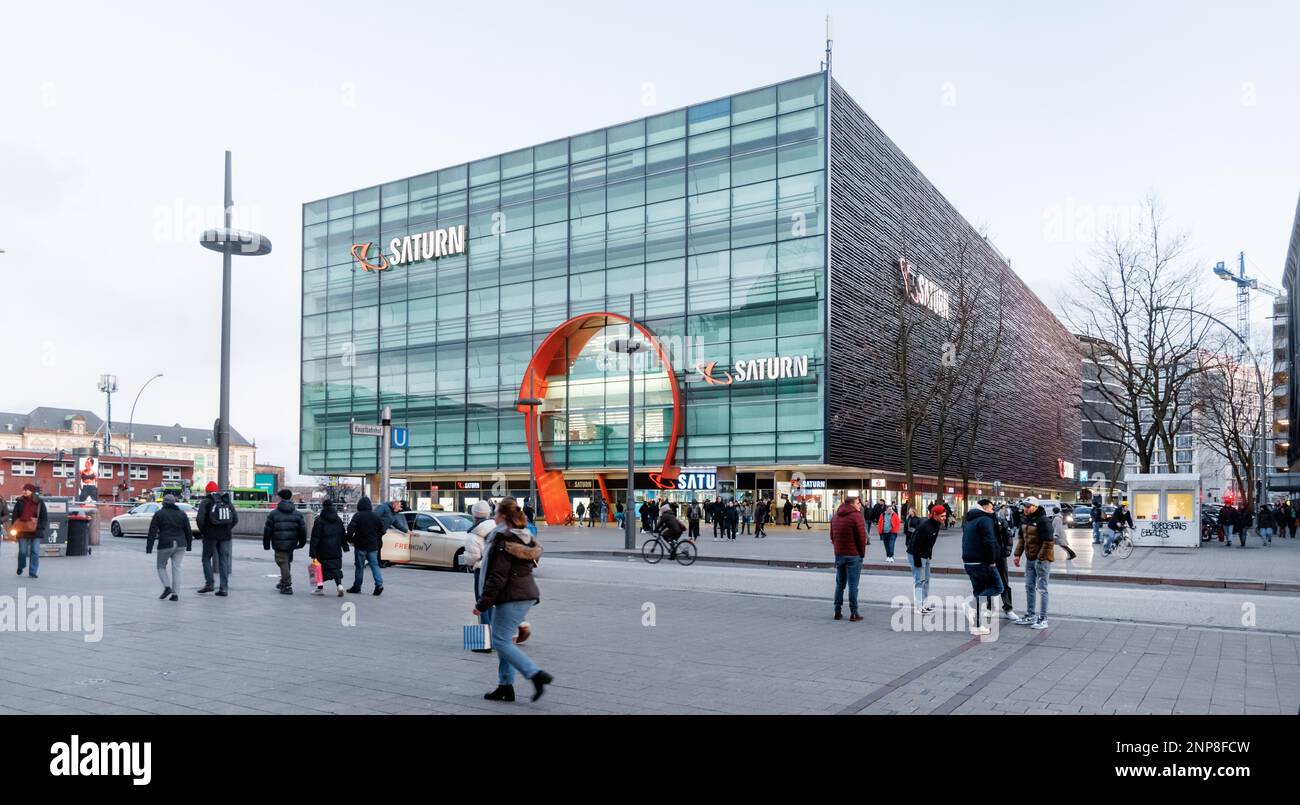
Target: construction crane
(1244, 286)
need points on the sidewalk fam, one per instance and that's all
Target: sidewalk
(1212, 565)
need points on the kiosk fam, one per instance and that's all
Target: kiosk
(1166, 509)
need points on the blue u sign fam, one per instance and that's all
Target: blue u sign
(401, 438)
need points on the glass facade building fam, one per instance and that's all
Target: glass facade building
(711, 217)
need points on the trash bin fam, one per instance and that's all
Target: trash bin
(78, 537)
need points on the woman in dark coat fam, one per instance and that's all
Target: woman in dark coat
(328, 544)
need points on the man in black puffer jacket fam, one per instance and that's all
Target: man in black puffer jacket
(170, 528)
(286, 532)
(980, 550)
(366, 534)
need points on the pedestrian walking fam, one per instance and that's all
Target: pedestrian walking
(849, 540)
(980, 550)
(732, 519)
(1120, 519)
(788, 508)
(1293, 520)
(618, 514)
(693, 515)
(328, 544)
(484, 524)
(1097, 516)
(717, 516)
(746, 516)
(509, 591)
(804, 521)
(284, 532)
(169, 528)
(30, 523)
(1035, 545)
(1228, 522)
(365, 533)
(889, 526)
(216, 519)
(920, 551)
(760, 518)
(582, 509)
(873, 518)
(1267, 524)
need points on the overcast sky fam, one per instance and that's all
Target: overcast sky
(1033, 118)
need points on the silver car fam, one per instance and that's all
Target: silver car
(434, 539)
(135, 523)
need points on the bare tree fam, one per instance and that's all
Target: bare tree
(1227, 404)
(917, 376)
(1127, 308)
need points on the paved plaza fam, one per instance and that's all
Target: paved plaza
(621, 636)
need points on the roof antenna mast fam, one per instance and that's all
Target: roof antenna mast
(826, 65)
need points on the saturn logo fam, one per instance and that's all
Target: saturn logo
(706, 374)
(361, 251)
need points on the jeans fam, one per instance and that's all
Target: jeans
(1111, 534)
(485, 616)
(505, 624)
(1037, 572)
(890, 538)
(1006, 583)
(744, 526)
(1266, 534)
(1096, 532)
(206, 560)
(848, 569)
(221, 563)
(920, 579)
(284, 561)
(29, 554)
(363, 558)
(173, 554)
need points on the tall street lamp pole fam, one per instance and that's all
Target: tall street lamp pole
(533, 402)
(130, 429)
(1262, 460)
(630, 347)
(108, 385)
(229, 242)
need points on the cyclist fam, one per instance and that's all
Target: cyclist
(1120, 519)
(669, 528)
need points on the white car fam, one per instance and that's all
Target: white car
(435, 539)
(135, 523)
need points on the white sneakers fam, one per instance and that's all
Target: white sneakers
(889, 559)
(1039, 625)
(320, 589)
(1010, 614)
(340, 587)
(980, 631)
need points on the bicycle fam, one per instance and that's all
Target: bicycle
(656, 548)
(1122, 547)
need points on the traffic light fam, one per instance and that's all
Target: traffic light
(60, 456)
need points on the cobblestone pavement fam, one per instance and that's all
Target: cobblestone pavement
(723, 640)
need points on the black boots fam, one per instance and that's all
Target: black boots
(378, 590)
(166, 592)
(540, 680)
(503, 693)
(207, 588)
(354, 589)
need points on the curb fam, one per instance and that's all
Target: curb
(1099, 578)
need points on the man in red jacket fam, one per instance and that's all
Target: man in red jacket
(849, 538)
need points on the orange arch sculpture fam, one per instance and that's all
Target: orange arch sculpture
(551, 359)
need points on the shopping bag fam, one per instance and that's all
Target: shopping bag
(316, 572)
(478, 636)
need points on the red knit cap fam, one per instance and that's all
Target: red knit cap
(211, 487)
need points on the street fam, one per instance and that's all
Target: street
(621, 636)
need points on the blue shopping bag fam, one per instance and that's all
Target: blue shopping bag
(478, 636)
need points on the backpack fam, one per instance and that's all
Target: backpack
(222, 514)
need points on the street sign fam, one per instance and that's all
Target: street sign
(361, 429)
(401, 438)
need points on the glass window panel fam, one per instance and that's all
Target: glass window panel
(753, 168)
(709, 116)
(626, 194)
(754, 261)
(664, 186)
(801, 157)
(551, 183)
(627, 165)
(550, 249)
(394, 193)
(341, 206)
(550, 210)
(754, 105)
(709, 177)
(755, 322)
(625, 241)
(800, 255)
(365, 200)
(587, 202)
(315, 212)
(451, 209)
(487, 197)
(587, 146)
(588, 174)
(517, 163)
(709, 222)
(515, 191)
(799, 318)
(550, 302)
(801, 94)
(586, 288)
(424, 186)
(798, 126)
(665, 127)
(515, 218)
(551, 155)
(627, 136)
(587, 243)
(668, 294)
(753, 214)
(706, 147)
(452, 179)
(799, 205)
(666, 229)
(668, 156)
(753, 136)
(485, 171)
